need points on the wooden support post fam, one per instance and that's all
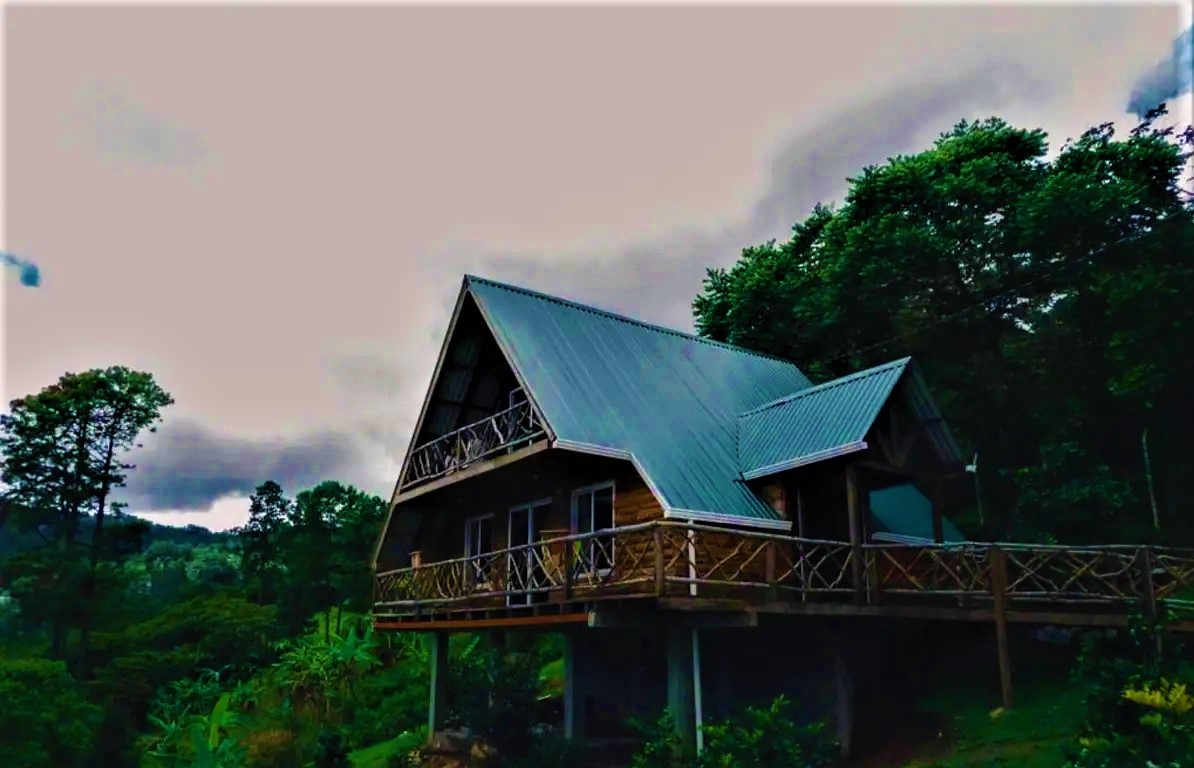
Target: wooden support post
(574, 688)
(680, 691)
(938, 502)
(660, 573)
(999, 596)
(437, 709)
(854, 511)
(844, 690)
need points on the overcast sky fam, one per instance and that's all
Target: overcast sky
(270, 208)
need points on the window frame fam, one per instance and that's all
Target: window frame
(528, 507)
(613, 517)
(472, 571)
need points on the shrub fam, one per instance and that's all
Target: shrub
(44, 720)
(756, 738)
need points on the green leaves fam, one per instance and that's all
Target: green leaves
(1046, 301)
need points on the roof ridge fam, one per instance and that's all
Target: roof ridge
(825, 385)
(626, 319)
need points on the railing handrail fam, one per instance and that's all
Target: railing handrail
(524, 409)
(526, 404)
(787, 539)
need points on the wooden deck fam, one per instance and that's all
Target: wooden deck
(672, 566)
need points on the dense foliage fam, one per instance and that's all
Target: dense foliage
(1046, 301)
(758, 737)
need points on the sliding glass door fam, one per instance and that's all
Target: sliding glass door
(593, 510)
(525, 565)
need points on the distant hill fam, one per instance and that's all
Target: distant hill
(12, 541)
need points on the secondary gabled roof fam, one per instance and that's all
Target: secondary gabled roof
(816, 423)
(832, 419)
(668, 401)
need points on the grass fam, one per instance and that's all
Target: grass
(1033, 734)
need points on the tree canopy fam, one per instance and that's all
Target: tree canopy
(1046, 300)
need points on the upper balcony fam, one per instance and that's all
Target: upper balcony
(503, 432)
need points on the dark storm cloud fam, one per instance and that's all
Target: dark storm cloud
(1168, 79)
(657, 280)
(186, 466)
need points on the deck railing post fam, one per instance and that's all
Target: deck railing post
(1148, 592)
(660, 572)
(569, 553)
(854, 511)
(998, 565)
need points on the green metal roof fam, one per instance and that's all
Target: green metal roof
(668, 401)
(815, 423)
(903, 513)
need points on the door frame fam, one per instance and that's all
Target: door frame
(529, 508)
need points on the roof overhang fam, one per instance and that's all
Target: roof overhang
(670, 512)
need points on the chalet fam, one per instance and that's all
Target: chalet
(682, 510)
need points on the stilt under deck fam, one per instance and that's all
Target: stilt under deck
(676, 581)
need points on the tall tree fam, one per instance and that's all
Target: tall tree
(269, 512)
(1046, 299)
(63, 455)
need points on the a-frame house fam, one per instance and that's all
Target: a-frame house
(577, 470)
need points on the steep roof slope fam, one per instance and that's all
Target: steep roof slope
(669, 401)
(833, 418)
(830, 419)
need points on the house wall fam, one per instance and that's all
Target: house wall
(553, 475)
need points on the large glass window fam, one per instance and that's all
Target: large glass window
(593, 510)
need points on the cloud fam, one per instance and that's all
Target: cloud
(188, 467)
(109, 120)
(1168, 79)
(657, 280)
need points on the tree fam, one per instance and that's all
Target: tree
(1003, 274)
(62, 457)
(269, 510)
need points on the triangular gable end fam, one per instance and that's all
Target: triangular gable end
(912, 401)
(473, 378)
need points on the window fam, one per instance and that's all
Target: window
(593, 510)
(525, 565)
(478, 544)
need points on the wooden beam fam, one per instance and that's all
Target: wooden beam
(479, 468)
(575, 670)
(937, 503)
(665, 620)
(854, 493)
(414, 625)
(999, 594)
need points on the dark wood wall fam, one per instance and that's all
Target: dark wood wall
(553, 474)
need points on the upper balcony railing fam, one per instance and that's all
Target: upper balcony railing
(676, 559)
(503, 431)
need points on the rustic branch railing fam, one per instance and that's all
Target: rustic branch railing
(446, 454)
(669, 558)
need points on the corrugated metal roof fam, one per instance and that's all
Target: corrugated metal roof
(816, 423)
(666, 399)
